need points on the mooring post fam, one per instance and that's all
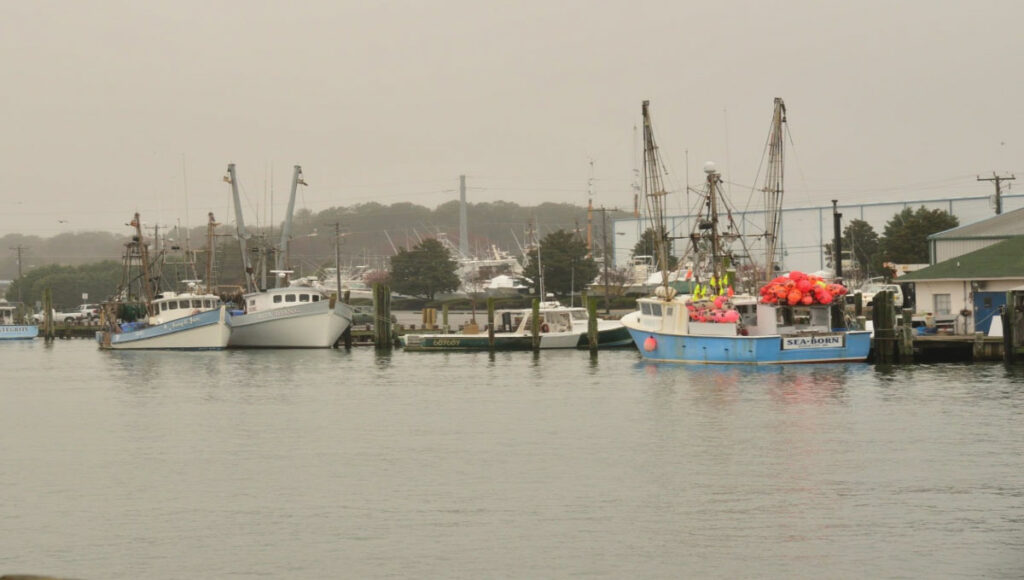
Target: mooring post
(885, 333)
(591, 321)
(1006, 313)
(858, 304)
(906, 337)
(978, 349)
(382, 316)
(444, 319)
(535, 324)
(48, 314)
(490, 323)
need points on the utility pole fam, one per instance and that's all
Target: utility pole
(998, 179)
(19, 248)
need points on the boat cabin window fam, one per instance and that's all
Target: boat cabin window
(183, 304)
(163, 307)
(316, 298)
(172, 305)
(197, 303)
(748, 314)
(668, 311)
(579, 314)
(802, 316)
(252, 302)
(655, 309)
(277, 299)
(289, 298)
(303, 297)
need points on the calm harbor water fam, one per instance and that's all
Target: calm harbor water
(420, 465)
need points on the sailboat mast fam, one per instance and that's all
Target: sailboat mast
(654, 193)
(243, 235)
(286, 230)
(773, 188)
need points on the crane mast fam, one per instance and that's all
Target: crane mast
(240, 231)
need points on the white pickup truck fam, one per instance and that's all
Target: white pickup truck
(84, 313)
(39, 317)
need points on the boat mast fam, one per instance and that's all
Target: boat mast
(210, 252)
(714, 178)
(286, 230)
(241, 233)
(143, 254)
(773, 188)
(654, 194)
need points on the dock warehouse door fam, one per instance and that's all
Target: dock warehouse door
(986, 305)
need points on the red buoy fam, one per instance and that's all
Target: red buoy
(650, 344)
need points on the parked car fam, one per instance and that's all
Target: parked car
(89, 312)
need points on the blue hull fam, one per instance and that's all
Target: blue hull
(203, 331)
(853, 346)
(18, 331)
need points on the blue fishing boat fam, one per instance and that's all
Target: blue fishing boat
(141, 318)
(791, 320)
(9, 328)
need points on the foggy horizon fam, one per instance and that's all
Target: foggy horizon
(115, 108)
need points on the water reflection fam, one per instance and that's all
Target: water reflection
(791, 384)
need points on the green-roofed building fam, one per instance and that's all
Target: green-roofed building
(971, 286)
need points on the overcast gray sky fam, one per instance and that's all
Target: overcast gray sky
(112, 107)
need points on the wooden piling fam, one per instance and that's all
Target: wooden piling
(490, 323)
(885, 333)
(48, 314)
(905, 344)
(1006, 313)
(382, 330)
(444, 319)
(591, 322)
(535, 325)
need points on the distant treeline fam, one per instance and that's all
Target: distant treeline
(370, 233)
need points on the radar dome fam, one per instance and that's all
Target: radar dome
(709, 167)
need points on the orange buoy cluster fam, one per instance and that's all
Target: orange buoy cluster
(799, 288)
(716, 310)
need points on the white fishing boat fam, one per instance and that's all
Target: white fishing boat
(558, 327)
(140, 318)
(10, 329)
(293, 316)
(791, 320)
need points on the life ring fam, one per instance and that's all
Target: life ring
(545, 328)
(965, 312)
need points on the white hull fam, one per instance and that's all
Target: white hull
(208, 330)
(306, 325)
